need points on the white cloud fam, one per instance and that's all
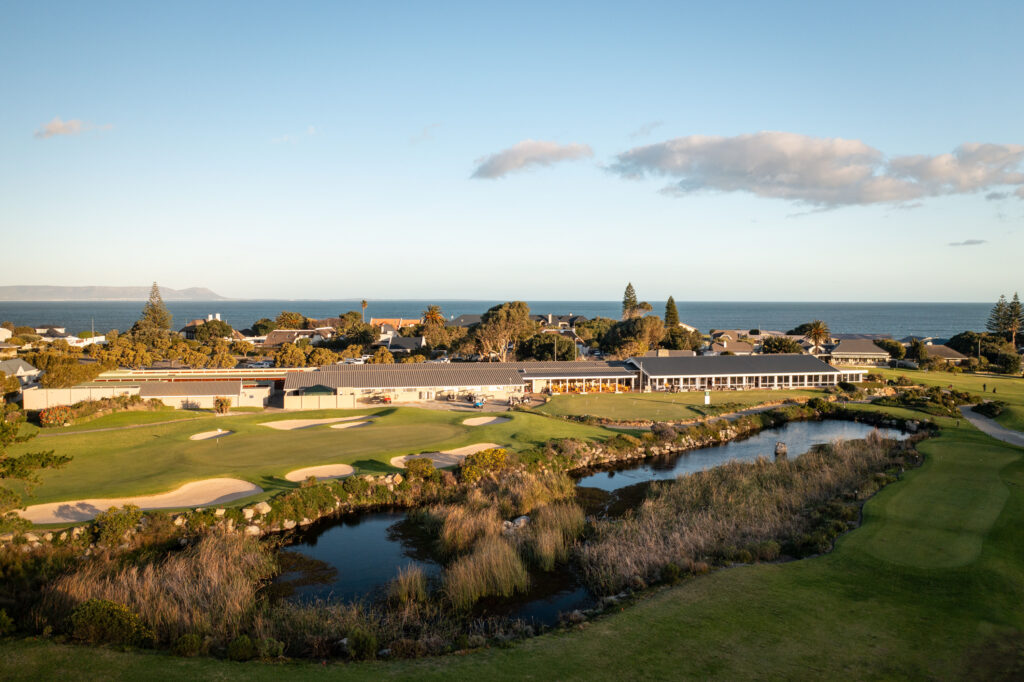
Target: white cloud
(526, 154)
(59, 127)
(968, 242)
(427, 133)
(289, 138)
(824, 172)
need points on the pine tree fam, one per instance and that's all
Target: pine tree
(156, 319)
(997, 319)
(671, 313)
(629, 302)
(1014, 318)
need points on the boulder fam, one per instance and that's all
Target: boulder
(261, 508)
(31, 537)
(288, 524)
(48, 537)
(178, 521)
(219, 512)
(397, 478)
(6, 537)
(253, 531)
(248, 513)
(305, 522)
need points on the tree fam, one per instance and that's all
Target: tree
(629, 302)
(895, 349)
(998, 318)
(290, 320)
(263, 326)
(321, 356)
(780, 344)
(818, 333)
(213, 329)
(800, 329)
(382, 356)
(671, 313)
(242, 348)
(503, 327)
(678, 338)
(363, 304)
(433, 316)
(156, 319)
(547, 347)
(918, 352)
(21, 468)
(1014, 318)
(289, 355)
(634, 336)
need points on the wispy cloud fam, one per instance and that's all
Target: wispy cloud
(72, 127)
(646, 129)
(424, 135)
(969, 242)
(289, 138)
(824, 172)
(526, 154)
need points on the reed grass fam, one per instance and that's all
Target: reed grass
(409, 586)
(493, 569)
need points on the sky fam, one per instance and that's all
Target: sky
(542, 151)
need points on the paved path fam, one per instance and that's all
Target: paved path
(993, 428)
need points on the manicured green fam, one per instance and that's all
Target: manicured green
(929, 587)
(664, 406)
(153, 459)
(122, 419)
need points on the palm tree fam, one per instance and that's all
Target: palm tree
(364, 304)
(433, 315)
(817, 333)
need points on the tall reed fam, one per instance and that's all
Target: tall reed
(493, 569)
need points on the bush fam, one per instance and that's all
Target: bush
(188, 645)
(846, 386)
(99, 621)
(479, 464)
(6, 624)
(421, 468)
(270, 648)
(990, 409)
(241, 648)
(664, 432)
(222, 405)
(356, 485)
(56, 416)
(362, 644)
(112, 525)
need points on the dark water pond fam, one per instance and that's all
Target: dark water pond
(355, 557)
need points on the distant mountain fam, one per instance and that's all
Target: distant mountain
(47, 293)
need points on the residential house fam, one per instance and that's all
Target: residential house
(945, 353)
(27, 374)
(279, 337)
(465, 321)
(550, 321)
(858, 352)
(668, 353)
(726, 346)
(5, 334)
(8, 350)
(398, 323)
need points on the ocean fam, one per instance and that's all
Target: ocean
(897, 319)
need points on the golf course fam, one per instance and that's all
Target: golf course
(929, 586)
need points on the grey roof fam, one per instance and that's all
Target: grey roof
(448, 374)
(155, 389)
(858, 347)
(669, 353)
(406, 343)
(939, 350)
(851, 337)
(12, 366)
(465, 321)
(728, 365)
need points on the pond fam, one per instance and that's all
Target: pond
(355, 557)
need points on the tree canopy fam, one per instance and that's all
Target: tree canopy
(213, 329)
(549, 346)
(780, 344)
(23, 468)
(671, 313)
(895, 349)
(290, 320)
(263, 326)
(156, 318)
(1007, 318)
(502, 328)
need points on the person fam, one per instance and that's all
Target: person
(984, 388)
(993, 390)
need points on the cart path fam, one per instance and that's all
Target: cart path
(993, 428)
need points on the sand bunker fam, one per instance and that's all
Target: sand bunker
(480, 421)
(197, 493)
(207, 435)
(349, 425)
(445, 458)
(324, 471)
(292, 424)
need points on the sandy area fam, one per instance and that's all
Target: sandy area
(207, 435)
(349, 425)
(445, 458)
(324, 471)
(480, 421)
(292, 424)
(195, 494)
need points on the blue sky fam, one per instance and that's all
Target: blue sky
(411, 150)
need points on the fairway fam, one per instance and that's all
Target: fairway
(156, 459)
(664, 406)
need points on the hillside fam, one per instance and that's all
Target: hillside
(51, 293)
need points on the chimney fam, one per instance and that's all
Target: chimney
(216, 316)
(551, 318)
(209, 317)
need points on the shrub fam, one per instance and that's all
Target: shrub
(421, 468)
(241, 648)
(846, 386)
(112, 525)
(268, 647)
(990, 409)
(222, 405)
(362, 644)
(482, 463)
(188, 645)
(356, 485)
(56, 416)
(99, 621)
(6, 624)
(664, 432)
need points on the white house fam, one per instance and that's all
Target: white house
(26, 373)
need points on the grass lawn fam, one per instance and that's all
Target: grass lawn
(929, 587)
(122, 419)
(1008, 389)
(664, 406)
(153, 459)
